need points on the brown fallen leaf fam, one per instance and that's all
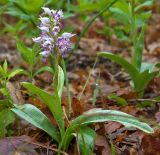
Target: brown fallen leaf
(14, 90)
(103, 146)
(16, 146)
(150, 144)
(111, 127)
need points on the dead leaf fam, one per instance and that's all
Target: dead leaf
(111, 127)
(103, 146)
(17, 146)
(150, 144)
(14, 90)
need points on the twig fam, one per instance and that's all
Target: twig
(44, 146)
(142, 100)
(65, 114)
(86, 83)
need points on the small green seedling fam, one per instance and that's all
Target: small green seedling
(6, 115)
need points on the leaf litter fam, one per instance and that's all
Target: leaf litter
(112, 80)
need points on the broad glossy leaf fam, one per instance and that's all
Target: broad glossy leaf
(132, 71)
(34, 116)
(98, 115)
(53, 102)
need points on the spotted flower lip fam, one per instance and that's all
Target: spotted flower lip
(58, 15)
(50, 33)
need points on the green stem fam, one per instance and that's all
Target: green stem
(133, 33)
(67, 86)
(85, 85)
(68, 6)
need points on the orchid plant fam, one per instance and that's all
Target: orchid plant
(55, 46)
(141, 73)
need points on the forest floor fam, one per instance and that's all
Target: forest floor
(109, 78)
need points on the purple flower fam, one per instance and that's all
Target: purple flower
(55, 30)
(58, 15)
(50, 27)
(64, 45)
(45, 53)
(47, 11)
(45, 20)
(44, 28)
(67, 35)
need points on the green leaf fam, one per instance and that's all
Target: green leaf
(4, 104)
(5, 67)
(1, 71)
(43, 69)
(120, 15)
(29, 6)
(119, 100)
(27, 53)
(98, 115)
(144, 4)
(6, 117)
(138, 50)
(86, 138)
(4, 91)
(132, 71)
(53, 102)
(147, 66)
(60, 84)
(34, 116)
(15, 72)
(15, 11)
(143, 79)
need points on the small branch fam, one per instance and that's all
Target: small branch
(44, 146)
(142, 100)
